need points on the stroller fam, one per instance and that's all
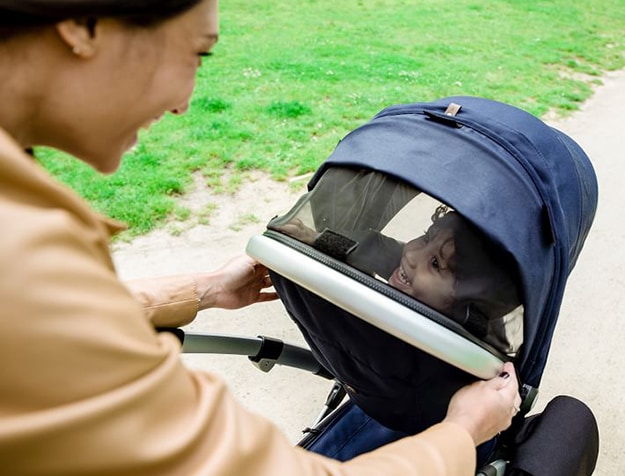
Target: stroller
(434, 244)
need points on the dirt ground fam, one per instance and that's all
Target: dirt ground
(584, 361)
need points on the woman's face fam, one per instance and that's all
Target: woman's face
(135, 76)
(427, 269)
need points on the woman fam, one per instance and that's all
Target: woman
(88, 387)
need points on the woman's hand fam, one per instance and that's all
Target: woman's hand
(486, 408)
(238, 283)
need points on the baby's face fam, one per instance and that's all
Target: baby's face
(427, 269)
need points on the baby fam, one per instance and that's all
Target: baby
(451, 268)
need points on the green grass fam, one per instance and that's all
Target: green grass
(289, 79)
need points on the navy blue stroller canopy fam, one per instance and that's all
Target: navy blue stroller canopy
(433, 244)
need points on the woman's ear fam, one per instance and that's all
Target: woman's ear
(79, 35)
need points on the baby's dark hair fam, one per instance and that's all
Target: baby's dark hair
(487, 285)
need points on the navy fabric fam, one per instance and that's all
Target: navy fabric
(350, 432)
(402, 387)
(527, 186)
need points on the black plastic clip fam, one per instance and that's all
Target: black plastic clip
(529, 395)
(269, 352)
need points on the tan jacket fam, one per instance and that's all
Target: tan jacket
(88, 388)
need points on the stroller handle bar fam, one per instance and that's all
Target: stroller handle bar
(263, 351)
(374, 308)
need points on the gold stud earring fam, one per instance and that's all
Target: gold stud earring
(77, 50)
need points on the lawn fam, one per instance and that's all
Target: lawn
(289, 79)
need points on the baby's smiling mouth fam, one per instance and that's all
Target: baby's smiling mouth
(403, 277)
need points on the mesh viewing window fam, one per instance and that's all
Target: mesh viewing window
(415, 244)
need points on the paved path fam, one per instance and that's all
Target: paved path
(585, 360)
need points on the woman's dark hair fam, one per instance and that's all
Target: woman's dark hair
(21, 15)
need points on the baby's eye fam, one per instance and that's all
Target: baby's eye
(435, 264)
